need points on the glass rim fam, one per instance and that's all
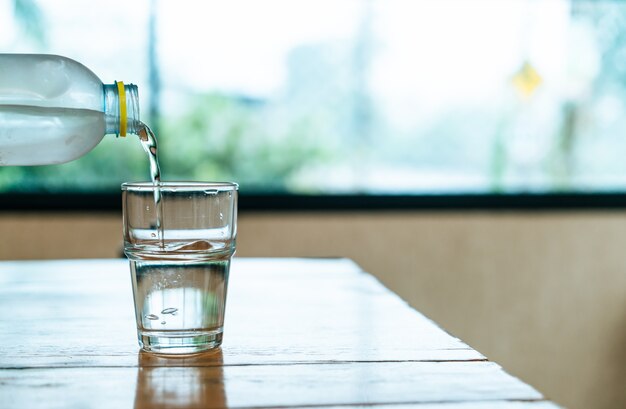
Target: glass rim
(180, 186)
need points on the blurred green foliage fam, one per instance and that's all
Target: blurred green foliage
(221, 137)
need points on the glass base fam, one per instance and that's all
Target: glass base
(179, 342)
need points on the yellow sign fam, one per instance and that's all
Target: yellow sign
(526, 80)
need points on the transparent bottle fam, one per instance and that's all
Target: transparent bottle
(54, 109)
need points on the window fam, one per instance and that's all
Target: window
(347, 97)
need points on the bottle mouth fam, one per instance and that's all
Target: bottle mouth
(117, 115)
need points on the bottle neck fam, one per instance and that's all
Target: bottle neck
(116, 115)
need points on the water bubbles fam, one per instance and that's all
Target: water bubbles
(170, 310)
(221, 216)
(152, 317)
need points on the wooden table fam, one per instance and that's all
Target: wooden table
(299, 332)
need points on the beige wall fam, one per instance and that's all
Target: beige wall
(543, 294)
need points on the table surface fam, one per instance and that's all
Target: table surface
(299, 332)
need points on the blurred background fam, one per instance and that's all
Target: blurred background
(375, 99)
(350, 96)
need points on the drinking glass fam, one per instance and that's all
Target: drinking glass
(179, 238)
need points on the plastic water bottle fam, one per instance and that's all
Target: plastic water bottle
(54, 109)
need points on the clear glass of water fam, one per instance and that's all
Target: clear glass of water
(179, 238)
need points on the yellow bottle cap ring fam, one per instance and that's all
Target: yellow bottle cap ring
(121, 92)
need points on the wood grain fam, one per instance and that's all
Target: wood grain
(298, 333)
(266, 385)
